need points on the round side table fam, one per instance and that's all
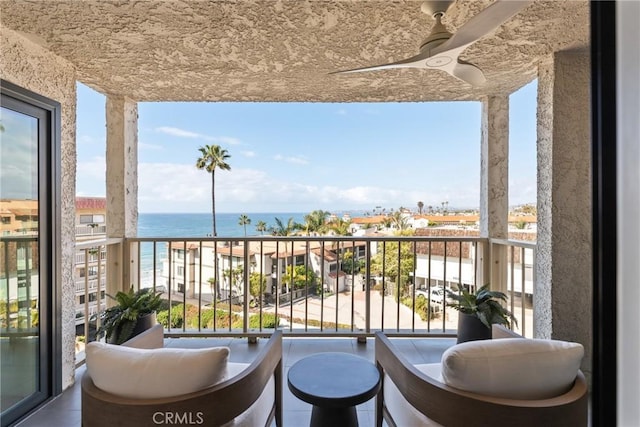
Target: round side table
(334, 383)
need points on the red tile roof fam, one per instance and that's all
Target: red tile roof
(98, 203)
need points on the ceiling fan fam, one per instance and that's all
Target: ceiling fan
(440, 50)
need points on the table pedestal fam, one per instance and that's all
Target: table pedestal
(334, 383)
(338, 417)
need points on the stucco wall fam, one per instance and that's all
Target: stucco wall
(563, 298)
(32, 67)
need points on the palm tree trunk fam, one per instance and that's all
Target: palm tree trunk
(213, 201)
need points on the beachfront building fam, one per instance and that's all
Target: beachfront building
(90, 260)
(191, 267)
(19, 226)
(19, 265)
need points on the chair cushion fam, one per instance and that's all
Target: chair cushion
(259, 412)
(515, 368)
(402, 412)
(147, 374)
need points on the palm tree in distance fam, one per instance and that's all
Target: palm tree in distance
(213, 157)
(340, 226)
(420, 206)
(316, 221)
(244, 221)
(280, 229)
(261, 227)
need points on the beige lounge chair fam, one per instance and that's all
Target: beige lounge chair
(251, 396)
(415, 395)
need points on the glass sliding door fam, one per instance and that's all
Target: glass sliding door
(27, 283)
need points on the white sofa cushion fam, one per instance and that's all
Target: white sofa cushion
(154, 373)
(515, 368)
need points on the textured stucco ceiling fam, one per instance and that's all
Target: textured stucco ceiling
(247, 50)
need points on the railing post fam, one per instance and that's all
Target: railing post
(482, 263)
(245, 279)
(498, 270)
(132, 262)
(115, 269)
(367, 287)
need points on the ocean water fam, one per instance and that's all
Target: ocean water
(200, 224)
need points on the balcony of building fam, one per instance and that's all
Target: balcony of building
(549, 285)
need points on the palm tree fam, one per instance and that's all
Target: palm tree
(399, 220)
(213, 157)
(280, 229)
(244, 221)
(261, 227)
(340, 226)
(316, 221)
(420, 206)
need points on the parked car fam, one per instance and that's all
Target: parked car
(436, 294)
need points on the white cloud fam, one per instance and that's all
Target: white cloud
(91, 177)
(223, 140)
(298, 160)
(147, 146)
(178, 132)
(182, 133)
(248, 153)
(88, 140)
(93, 169)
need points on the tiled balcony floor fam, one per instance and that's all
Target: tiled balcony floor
(64, 411)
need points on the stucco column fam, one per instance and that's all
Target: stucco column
(494, 187)
(562, 298)
(122, 184)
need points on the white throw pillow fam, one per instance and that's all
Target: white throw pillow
(516, 368)
(148, 374)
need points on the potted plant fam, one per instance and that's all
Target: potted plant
(134, 313)
(478, 311)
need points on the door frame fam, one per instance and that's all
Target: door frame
(49, 247)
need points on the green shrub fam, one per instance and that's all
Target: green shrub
(176, 318)
(269, 321)
(421, 307)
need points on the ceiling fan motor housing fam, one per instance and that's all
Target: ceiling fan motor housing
(435, 7)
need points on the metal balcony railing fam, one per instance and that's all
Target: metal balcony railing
(306, 286)
(319, 286)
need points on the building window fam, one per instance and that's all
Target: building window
(6, 220)
(180, 270)
(91, 219)
(81, 299)
(180, 254)
(181, 287)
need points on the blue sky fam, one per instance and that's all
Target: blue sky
(297, 157)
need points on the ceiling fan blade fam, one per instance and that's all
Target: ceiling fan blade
(482, 24)
(469, 73)
(413, 62)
